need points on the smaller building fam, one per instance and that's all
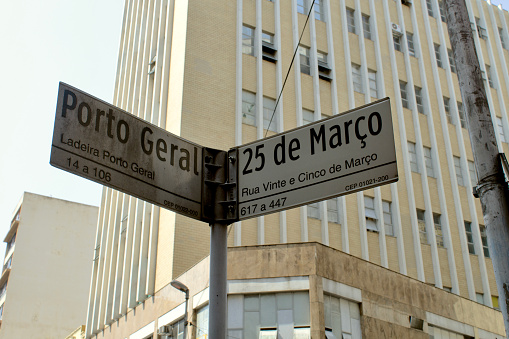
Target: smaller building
(308, 290)
(46, 275)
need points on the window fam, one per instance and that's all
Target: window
(366, 26)
(418, 99)
(484, 240)
(429, 5)
(472, 173)
(500, 128)
(461, 114)
(202, 323)
(479, 297)
(370, 213)
(323, 66)
(332, 210)
(494, 301)
(438, 230)
(248, 40)
(404, 97)
(314, 211)
(438, 56)
(319, 13)
(175, 330)
(410, 43)
(305, 65)
(301, 6)
(357, 78)
(441, 6)
(429, 162)
(397, 42)
(268, 49)
(373, 89)
(268, 109)
(248, 108)
(389, 228)
(413, 157)
(341, 318)
(481, 31)
(490, 76)
(421, 222)
(268, 333)
(502, 38)
(457, 169)
(470, 239)
(452, 62)
(350, 20)
(307, 116)
(447, 108)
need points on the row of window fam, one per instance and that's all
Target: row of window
(481, 30)
(429, 162)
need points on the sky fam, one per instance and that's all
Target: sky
(44, 42)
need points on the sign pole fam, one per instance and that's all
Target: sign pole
(218, 280)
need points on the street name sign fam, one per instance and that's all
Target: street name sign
(105, 144)
(346, 153)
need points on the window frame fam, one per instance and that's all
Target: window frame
(350, 20)
(410, 44)
(373, 84)
(412, 154)
(428, 160)
(419, 99)
(438, 55)
(421, 224)
(246, 37)
(387, 217)
(396, 38)
(439, 235)
(458, 169)
(366, 26)
(305, 67)
(357, 82)
(404, 94)
(370, 214)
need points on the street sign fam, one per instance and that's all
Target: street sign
(105, 144)
(343, 154)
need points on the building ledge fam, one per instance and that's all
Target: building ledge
(5, 276)
(12, 230)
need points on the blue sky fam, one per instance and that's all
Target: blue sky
(44, 42)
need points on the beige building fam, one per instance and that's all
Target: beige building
(46, 271)
(212, 71)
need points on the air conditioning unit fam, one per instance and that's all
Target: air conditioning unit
(396, 29)
(164, 331)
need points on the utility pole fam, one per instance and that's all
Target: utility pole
(491, 188)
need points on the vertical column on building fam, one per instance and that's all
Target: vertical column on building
(283, 234)
(237, 241)
(298, 105)
(317, 115)
(340, 202)
(394, 189)
(404, 146)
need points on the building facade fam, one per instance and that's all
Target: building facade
(213, 71)
(45, 278)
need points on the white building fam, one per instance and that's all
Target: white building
(46, 274)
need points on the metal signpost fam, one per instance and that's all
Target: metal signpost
(346, 153)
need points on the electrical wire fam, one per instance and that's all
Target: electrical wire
(290, 67)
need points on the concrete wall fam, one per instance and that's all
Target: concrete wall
(387, 299)
(47, 292)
